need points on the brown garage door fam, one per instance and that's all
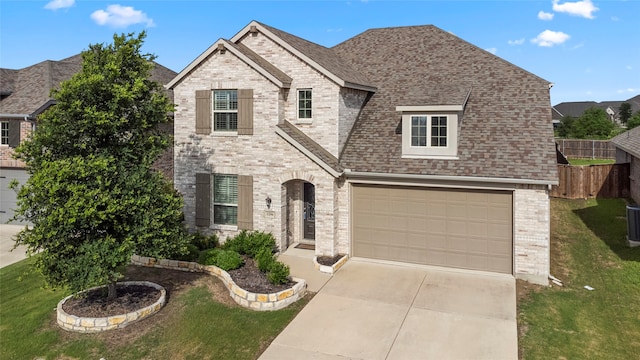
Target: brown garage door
(466, 229)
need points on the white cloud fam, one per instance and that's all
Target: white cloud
(628, 90)
(516, 42)
(545, 15)
(492, 50)
(121, 16)
(59, 4)
(550, 38)
(629, 67)
(584, 8)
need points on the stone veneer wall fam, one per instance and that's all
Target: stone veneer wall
(532, 231)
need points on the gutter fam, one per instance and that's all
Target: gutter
(16, 116)
(372, 175)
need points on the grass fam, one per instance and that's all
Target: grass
(587, 162)
(193, 325)
(588, 248)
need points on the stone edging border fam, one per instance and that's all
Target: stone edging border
(330, 269)
(92, 325)
(249, 300)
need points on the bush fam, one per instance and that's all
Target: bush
(203, 242)
(191, 255)
(224, 259)
(278, 273)
(265, 259)
(250, 243)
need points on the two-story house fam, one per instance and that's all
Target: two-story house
(24, 94)
(400, 144)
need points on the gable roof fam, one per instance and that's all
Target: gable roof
(26, 92)
(245, 54)
(322, 59)
(505, 129)
(629, 141)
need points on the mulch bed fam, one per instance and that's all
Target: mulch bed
(328, 260)
(134, 297)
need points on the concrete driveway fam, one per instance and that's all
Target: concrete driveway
(370, 311)
(7, 255)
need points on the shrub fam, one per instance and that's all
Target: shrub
(278, 273)
(224, 259)
(250, 243)
(265, 259)
(191, 255)
(204, 242)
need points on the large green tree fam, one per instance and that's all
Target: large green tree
(594, 123)
(93, 198)
(624, 112)
(634, 121)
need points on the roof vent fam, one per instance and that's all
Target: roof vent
(221, 48)
(253, 29)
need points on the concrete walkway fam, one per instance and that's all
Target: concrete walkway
(370, 310)
(7, 255)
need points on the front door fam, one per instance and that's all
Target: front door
(309, 211)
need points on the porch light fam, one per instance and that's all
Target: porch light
(268, 201)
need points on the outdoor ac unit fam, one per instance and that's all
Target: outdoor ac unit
(633, 225)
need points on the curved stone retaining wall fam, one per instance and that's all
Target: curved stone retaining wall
(90, 325)
(249, 300)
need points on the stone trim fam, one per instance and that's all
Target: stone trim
(93, 325)
(249, 300)
(330, 269)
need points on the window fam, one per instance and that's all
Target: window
(225, 199)
(427, 135)
(304, 104)
(225, 110)
(4, 133)
(436, 132)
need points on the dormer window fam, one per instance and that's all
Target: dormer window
(429, 132)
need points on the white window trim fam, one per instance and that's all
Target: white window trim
(216, 132)
(448, 152)
(298, 118)
(2, 137)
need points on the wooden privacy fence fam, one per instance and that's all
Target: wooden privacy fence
(600, 181)
(586, 149)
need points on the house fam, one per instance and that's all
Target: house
(24, 94)
(402, 144)
(577, 108)
(628, 151)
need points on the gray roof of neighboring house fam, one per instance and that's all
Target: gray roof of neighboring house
(504, 132)
(577, 108)
(27, 91)
(629, 141)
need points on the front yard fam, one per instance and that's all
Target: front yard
(199, 321)
(571, 322)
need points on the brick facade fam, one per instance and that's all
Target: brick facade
(531, 242)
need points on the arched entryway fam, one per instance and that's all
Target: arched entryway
(299, 209)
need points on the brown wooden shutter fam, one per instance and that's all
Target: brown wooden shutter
(14, 133)
(245, 202)
(245, 112)
(203, 111)
(203, 199)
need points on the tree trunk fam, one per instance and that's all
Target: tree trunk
(112, 291)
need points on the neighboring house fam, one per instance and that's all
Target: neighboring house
(24, 94)
(577, 108)
(403, 144)
(628, 151)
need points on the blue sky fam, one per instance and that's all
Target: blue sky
(589, 49)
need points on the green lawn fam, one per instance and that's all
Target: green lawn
(586, 162)
(570, 322)
(193, 325)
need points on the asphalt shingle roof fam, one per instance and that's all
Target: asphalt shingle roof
(629, 141)
(504, 132)
(310, 145)
(29, 88)
(272, 69)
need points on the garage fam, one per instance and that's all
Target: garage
(8, 196)
(460, 228)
